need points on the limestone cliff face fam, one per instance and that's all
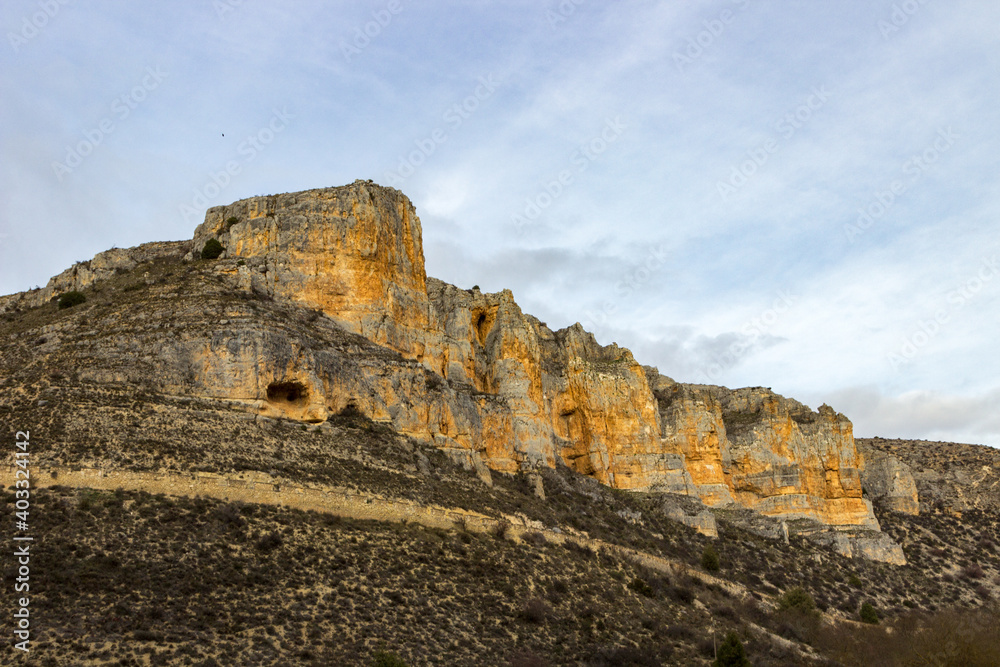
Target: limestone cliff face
(786, 459)
(603, 414)
(519, 394)
(762, 451)
(353, 252)
(470, 371)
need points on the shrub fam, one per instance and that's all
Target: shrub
(535, 610)
(710, 559)
(231, 220)
(577, 548)
(679, 632)
(387, 659)
(212, 249)
(641, 587)
(682, 594)
(500, 529)
(732, 653)
(797, 617)
(535, 538)
(868, 613)
(229, 515)
(70, 299)
(797, 599)
(972, 571)
(269, 542)
(855, 580)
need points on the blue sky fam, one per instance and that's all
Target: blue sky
(797, 195)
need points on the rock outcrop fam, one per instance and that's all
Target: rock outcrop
(470, 372)
(81, 275)
(888, 481)
(762, 451)
(944, 475)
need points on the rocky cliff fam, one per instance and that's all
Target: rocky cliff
(888, 480)
(524, 394)
(465, 370)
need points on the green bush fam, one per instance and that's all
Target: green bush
(868, 613)
(231, 220)
(70, 299)
(212, 249)
(797, 617)
(731, 653)
(387, 659)
(710, 559)
(797, 599)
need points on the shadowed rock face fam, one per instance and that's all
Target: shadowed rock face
(471, 373)
(889, 481)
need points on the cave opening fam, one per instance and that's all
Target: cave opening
(482, 328)
(287, 392)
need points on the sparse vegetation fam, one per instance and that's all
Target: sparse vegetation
(70, 299)
(710, 558)
(212, 249)
(732, 653)
(867, 614)
(387, 659)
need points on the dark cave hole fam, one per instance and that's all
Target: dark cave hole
(289, 392)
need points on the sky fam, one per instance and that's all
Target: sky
(796, 195)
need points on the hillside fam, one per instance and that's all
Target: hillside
(305, 451)
(947, 475)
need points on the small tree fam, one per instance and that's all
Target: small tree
(797, 599)
(868, 613)
(212, 249)
(797, 615)
(710, 559)
(731, 653)
(70, 299)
